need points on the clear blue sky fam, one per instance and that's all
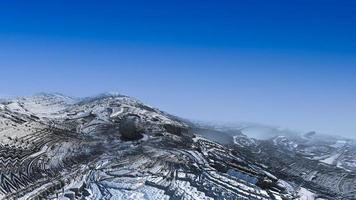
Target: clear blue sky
(287, 63)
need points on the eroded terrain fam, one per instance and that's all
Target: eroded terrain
(114, 147)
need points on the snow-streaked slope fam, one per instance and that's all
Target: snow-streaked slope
(57, 147)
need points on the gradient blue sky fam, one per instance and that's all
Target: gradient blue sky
(287, 63)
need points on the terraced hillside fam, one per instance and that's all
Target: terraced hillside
(115, 147)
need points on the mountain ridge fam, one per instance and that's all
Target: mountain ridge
(112, 146)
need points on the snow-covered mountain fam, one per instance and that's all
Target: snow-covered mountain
(115, 147)
(318, 164)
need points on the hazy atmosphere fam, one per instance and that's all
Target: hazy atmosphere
(277, 63)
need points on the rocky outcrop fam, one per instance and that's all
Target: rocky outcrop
(131, 127)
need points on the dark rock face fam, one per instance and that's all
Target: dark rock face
(131, 127)
(176, 130)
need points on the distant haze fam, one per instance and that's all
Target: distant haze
(278, 63)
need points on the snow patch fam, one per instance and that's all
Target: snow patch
(331, 159)
(305, 194)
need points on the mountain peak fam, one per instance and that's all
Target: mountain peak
(114, 146)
